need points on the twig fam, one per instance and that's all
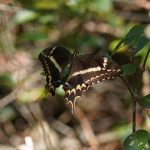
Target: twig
(39, 119)
(127, 85)
(145, 60)
(89, 134)
(133, 104)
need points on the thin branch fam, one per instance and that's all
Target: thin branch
(87, 129)
(145, 60)
(133, 104)
(127, 85)
(38, 117)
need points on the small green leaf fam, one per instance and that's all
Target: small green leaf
(137, 141)
(6, 80)
(25, 15)
(145, 101)
(102, 5)
(119, 45)
(135, 39)
(141, 42)
(134, 33)
(7, 114)
(128, 69)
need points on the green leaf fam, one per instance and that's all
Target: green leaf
(137, 141)
(34, 36)
(134, 33)
(134, 39)
(145, 101)
(24, 16)
(7, 114)
(141, 42)
(128, 69)
(30, 95)
(102, 5)
(119, 45)
(46, 4)
(6, 80)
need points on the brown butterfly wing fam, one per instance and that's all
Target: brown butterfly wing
(53, 60)
(87, 70)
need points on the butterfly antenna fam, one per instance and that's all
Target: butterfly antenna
(76, 51)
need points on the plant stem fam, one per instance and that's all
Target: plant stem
(133, 104)
(127, 85)
(145, 60)
(133, 115)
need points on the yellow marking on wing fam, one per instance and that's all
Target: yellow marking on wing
(68, 92)
(53, 49)
(92, 78)
(108, 70)
(77, 97)
(55, 63)
(73, 91)
(87, 81)
(83, 85)
(78, 87)
(86, 71)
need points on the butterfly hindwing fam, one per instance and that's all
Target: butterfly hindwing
(53, 60)
(87, 70)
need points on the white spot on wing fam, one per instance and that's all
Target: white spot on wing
(87, 81)
(53, 49)
(83, 85)
(105, 62)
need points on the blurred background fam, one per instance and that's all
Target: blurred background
(31, 120)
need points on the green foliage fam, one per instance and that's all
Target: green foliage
(102, 5)
(37, 36)
(6, 80)
(145, 101)
(38, 4)
(135, 39)
(137, 141)
(29, 95)
(24, 16)
(7, 114)
(128, 69)
(142, 53)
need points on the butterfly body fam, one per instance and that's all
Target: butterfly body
(75, 73)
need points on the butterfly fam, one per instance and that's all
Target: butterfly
(75, 72)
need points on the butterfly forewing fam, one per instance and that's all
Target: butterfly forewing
(53, 60)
